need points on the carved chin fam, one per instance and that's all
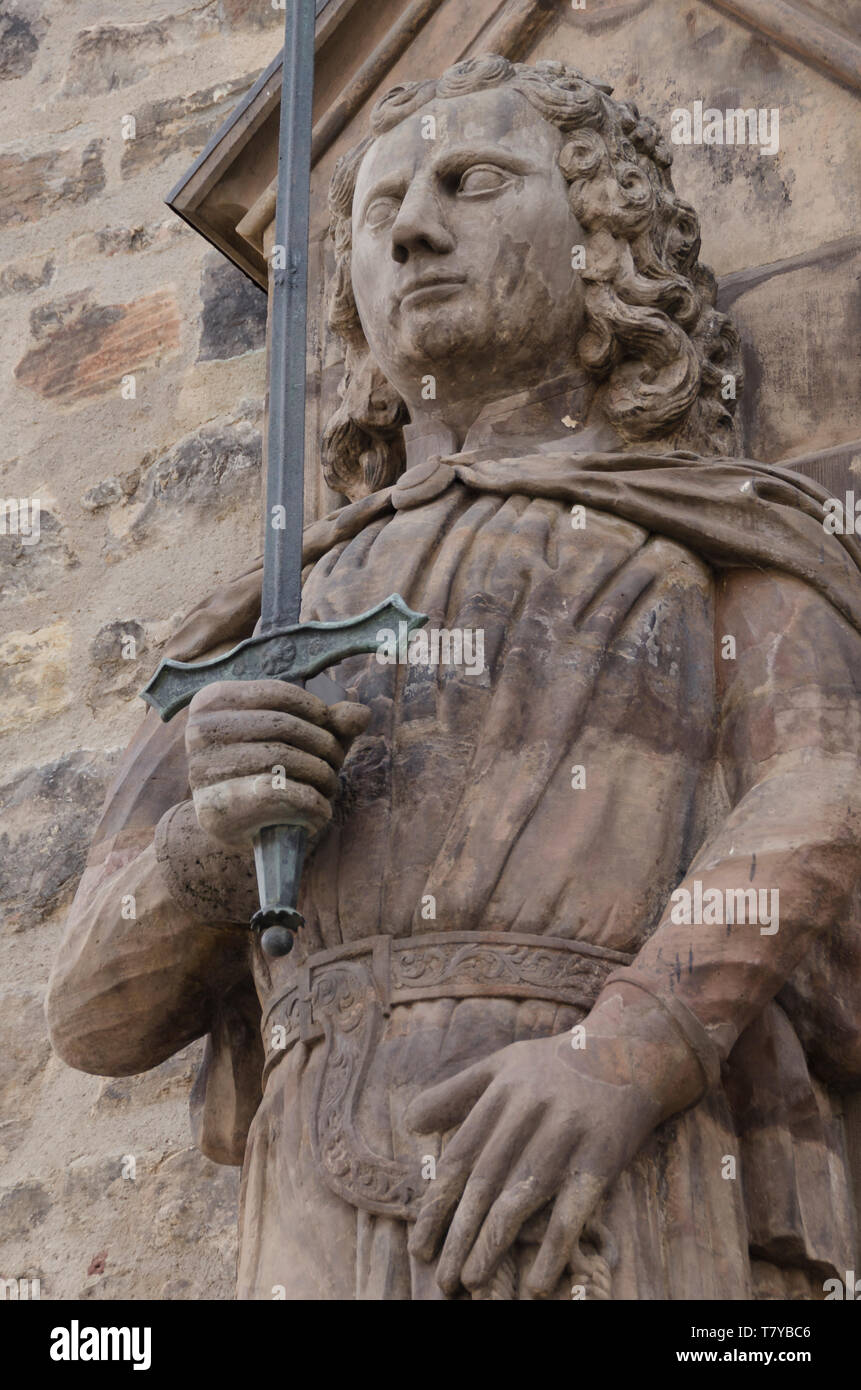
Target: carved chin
(430, 334)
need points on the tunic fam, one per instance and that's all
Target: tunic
(607, 751)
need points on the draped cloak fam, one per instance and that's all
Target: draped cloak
(601, 653)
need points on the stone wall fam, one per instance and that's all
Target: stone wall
(146, 499)
(150, 499)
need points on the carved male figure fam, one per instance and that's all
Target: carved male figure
(500, 1063)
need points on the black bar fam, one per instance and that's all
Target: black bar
(598, 1344)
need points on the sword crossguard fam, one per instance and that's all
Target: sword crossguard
(289, 654)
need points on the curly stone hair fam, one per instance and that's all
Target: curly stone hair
(652, 340)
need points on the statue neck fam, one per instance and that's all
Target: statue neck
(556, 410)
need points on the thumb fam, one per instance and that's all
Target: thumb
(347, 720)
(446, 1104)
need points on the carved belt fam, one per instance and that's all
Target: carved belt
(342, 997)
(446, 965)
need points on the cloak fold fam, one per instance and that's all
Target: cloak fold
(728, 511)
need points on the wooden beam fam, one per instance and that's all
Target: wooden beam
(371, 74)
(515, 28)
(801, 32)
(732, 286)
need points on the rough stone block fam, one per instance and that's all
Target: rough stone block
(25, 276)
(202, 471)
(176, 123)
(234, 312)
(109, 491)
(124, 241)
(25, 1052)
(47, 812)
(121, 659)
(250, 14)
(23, 1208)
(22, 27)
(34, 669)
(27, 569)
(109, 56)
(90, 1233)
(35, 185)
(87, 348)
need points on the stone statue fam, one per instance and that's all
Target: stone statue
(578, 993)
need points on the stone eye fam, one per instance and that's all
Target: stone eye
(380, 211)
(482, 178)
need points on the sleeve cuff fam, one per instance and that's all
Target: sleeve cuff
(206, 880)
(687, 1023)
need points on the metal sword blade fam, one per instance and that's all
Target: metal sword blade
(279, 850)
(285, 450)
(283, 648)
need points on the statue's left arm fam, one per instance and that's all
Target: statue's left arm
(790, 735)
(541, 1122)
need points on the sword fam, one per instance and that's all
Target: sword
(285, 648)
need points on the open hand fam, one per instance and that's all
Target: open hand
(540, 1122)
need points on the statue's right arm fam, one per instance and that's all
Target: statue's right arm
(157, 934)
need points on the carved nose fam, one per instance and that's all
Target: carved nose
(420, 226)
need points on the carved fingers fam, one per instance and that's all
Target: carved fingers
(574, 1204)
(502, 1192)
(444, 1105)
(266, 753)
(538, 1133)
(499, 1169)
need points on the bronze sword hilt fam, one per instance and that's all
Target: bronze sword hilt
(293, 654)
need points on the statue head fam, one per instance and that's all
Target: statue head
(505, 225)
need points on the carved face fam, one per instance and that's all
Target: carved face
(462, 249)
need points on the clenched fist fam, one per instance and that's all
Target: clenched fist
(265, 753)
